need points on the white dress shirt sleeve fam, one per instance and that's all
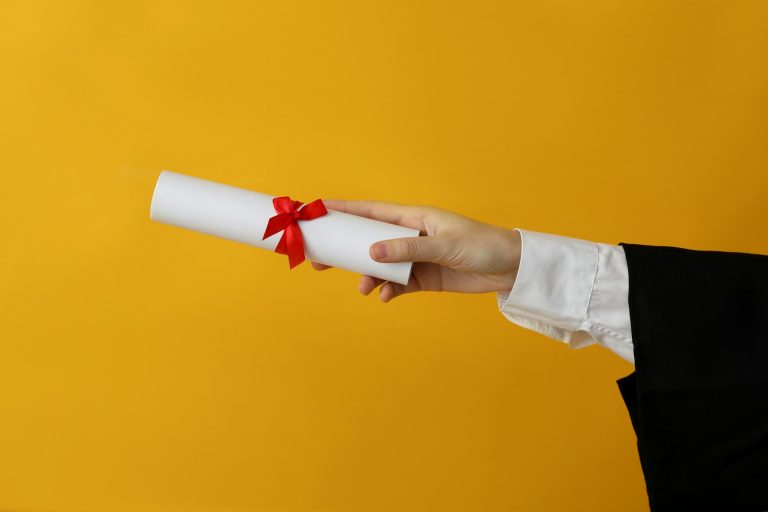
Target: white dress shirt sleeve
(572, 290)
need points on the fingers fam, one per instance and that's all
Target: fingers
(387, 292)
(390, 290)
(435, 249)
(368, 284)
(394, 213)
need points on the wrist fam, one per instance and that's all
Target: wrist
(508, 254)
(515, 254)
(517, 248)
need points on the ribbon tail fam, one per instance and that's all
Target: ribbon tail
(295, 245)
(281, 247)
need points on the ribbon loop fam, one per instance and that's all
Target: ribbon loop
(289, 213)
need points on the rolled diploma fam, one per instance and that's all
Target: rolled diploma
(338, 239)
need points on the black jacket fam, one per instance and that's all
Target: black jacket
(698, 398)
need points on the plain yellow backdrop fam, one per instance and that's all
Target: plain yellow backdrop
(145, 367)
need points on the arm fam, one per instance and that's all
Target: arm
(568, 289)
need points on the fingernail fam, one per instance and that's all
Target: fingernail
(379, 251)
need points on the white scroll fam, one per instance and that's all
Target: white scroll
(336, 239)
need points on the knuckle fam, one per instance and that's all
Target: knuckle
(407, 248)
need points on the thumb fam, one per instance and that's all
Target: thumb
(416, 248)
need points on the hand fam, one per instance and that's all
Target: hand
(458, 254)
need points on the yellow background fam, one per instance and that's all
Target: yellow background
(150, 368)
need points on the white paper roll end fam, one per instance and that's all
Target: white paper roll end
(152, 206)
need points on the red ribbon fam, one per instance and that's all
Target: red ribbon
(289, 213)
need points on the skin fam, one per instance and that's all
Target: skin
(454, 253)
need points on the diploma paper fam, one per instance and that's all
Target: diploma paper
(336, 239)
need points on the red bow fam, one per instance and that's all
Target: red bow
(288, 215)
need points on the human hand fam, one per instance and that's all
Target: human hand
(458, 254)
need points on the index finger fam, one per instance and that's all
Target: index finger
(394, 213)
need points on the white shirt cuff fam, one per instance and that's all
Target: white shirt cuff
(571, 290)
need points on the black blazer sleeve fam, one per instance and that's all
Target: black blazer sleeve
(698, 399)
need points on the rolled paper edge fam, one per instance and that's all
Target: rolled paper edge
(154, 196)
